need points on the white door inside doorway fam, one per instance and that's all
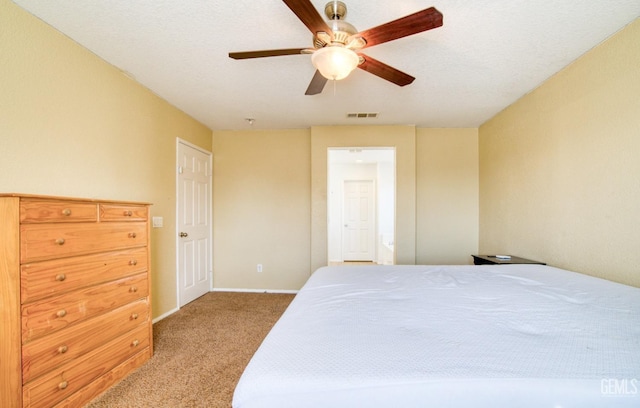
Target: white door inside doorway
(359, 221)
(193, 222)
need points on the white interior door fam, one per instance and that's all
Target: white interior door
(359, 221)
(193, 223)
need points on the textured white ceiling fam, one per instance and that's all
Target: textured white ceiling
(485, 56)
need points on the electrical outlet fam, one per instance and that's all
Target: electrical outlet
(259, 268)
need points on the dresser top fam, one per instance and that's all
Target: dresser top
(58, 198)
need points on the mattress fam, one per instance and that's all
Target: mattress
(450, 336)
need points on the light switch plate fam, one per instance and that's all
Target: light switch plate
(156, 222)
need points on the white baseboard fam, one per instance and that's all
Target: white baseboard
(286, 291)
(169, 313)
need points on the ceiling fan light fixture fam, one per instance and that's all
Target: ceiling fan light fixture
(335, 62)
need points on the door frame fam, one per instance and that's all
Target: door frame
(177, 215)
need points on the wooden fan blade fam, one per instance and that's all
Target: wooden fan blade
(317, 84)
(309, 16)
(384, 71)
(265, 53)
(412, 24)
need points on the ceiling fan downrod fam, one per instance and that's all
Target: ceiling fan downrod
(335, 10)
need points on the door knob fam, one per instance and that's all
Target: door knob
(184, 235)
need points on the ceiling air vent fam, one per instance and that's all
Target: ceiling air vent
(361, 115)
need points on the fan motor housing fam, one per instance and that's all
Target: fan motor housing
(342, 31)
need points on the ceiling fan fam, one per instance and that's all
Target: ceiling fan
(337, 44)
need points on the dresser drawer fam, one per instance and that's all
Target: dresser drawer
(47, 278)
(119, 212)
(109, 379)
(46, 353)
(49, 315)
(47, 241)
(34, 211)
(60, 383)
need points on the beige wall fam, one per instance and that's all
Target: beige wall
(73, 125)
(270, 199)
(447, 195)
(261, 207)
(560, 169)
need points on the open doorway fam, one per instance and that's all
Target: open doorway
(361, 205)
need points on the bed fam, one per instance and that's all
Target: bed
(450, 336)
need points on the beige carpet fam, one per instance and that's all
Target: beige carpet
(200, 352)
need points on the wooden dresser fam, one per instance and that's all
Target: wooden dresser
(75, 313)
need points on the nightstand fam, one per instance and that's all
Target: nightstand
(492, 260)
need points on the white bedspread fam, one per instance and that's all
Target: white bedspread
(450, 336)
